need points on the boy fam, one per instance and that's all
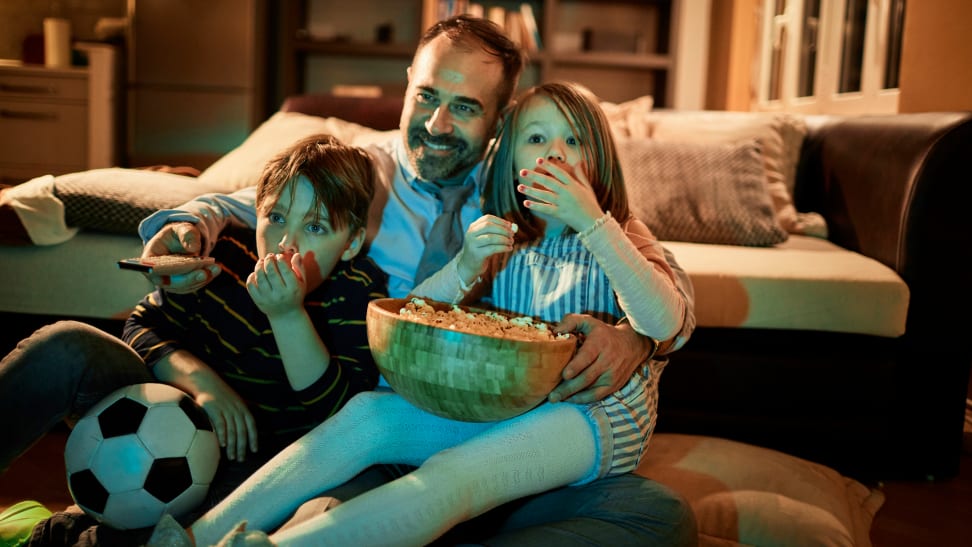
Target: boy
(270, 349)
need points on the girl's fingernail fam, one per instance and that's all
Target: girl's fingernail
(523, 172)
(539, 161)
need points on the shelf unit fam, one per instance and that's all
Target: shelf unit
(59, 120)
(193, 97)
(619, 49)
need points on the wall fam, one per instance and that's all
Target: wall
(936, 56)
(732, 48)
(21, 18)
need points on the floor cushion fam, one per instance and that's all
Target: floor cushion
(749, 495)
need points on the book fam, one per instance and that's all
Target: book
(531, 30)
(514, 28)
(497, 14)
(350, 90)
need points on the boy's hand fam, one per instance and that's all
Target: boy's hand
(179, 238)
(278, 283)
(234, 424)
(486, 236)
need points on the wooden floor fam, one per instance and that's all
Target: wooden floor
(915, 514)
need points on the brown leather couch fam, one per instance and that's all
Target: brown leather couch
(893, 188)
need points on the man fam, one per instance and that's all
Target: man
(463, 74)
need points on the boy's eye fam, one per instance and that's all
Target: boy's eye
(318, 228)
(276, 218)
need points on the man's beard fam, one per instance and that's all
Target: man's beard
(438, 164)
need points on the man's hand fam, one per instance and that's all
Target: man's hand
(179, 238)
(604, 361)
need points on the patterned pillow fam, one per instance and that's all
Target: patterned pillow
(116, 199)
(700, 192)
(780, 136)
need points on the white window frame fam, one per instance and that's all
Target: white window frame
(872, 97)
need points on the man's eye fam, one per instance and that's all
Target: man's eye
(426, 98)
(464, 109)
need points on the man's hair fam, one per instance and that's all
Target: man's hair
(343, 178)
(485, 34)
(581, 107)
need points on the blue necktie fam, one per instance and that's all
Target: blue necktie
(445, 239)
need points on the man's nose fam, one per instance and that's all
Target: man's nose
(440, 122)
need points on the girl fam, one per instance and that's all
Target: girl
(576, 250)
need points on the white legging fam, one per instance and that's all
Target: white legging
(465, 469)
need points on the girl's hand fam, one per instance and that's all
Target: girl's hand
(278, 283)
(486, 236)
(562, 192)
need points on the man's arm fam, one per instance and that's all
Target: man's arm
(611, 353)
(211, 213)
(193, 228)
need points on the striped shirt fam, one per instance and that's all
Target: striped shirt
(221, 325)
(550, 278)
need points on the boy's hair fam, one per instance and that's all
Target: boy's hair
(343, 178)
(582, 109)
(470, 32)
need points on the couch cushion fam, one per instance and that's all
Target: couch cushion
(804, 283)
(86, 281)
(699, 192)
(748, 495)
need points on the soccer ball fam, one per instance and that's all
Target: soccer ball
(144, 450)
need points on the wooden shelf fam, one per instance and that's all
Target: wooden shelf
(614, 75)
(363, 49)
(615, 60)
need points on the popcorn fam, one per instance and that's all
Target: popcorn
(487, 323)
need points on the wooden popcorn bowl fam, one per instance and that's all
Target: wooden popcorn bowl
(461, 375)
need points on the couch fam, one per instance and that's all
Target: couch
(829, 340)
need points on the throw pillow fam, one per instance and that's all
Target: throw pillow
(50, 210)
(243, 165)
(780, 136)
(701, 193)
(630, 118)
(743, 494)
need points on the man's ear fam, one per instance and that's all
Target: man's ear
(354, 245)
(408, 73)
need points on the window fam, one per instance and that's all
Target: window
(830, 56)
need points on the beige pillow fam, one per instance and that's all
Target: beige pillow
(780, 136)
(701, 193)
(243, 165)
(630, 118)
(748, 495)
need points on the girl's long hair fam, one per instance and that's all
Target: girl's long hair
(600, 160)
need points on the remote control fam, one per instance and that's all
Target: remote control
(166, 264)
